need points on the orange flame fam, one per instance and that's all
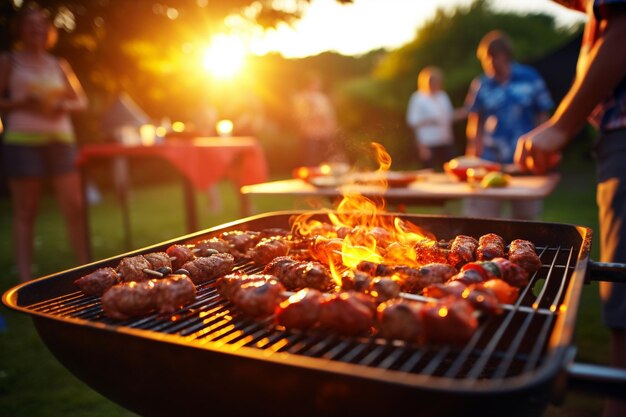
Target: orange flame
(360, 229)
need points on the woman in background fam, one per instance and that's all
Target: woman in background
(430, 114)
(39, 93)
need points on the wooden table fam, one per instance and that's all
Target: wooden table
(202, 161)
(428, 188)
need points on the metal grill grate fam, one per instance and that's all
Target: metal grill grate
(506, 345)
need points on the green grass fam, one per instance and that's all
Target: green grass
(33, 383)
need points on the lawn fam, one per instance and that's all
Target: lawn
(33, 383)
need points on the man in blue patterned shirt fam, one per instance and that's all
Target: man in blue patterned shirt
(509, 100)
(598, 93)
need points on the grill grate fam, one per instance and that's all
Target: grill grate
(504, 346)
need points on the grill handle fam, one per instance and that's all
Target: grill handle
(597, 379)
(606, 271)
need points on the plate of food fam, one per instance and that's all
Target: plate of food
(458, 167)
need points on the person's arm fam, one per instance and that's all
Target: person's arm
(75, 99)
(474, 132)
(8, 104)
(600, 69)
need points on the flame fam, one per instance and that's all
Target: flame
(361, 229)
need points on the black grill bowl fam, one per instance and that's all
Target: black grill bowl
(207, 359)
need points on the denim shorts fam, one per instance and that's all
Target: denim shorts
(611, 198)
(42, 161)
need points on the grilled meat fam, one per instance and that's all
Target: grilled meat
(431, 251)
(296, 275)
(229, 284)
(130, 299)
(241, 241)
(413, 280)
(400, 319)
(301, 310)
(511, 272)
(158, 260)
(259, 298)
(98, 281)
(449, 321)
(490, 246)
(522, 252)
(347, 313)
(379, 288)
(132, 268)
(462, 250)
(207, 246)
(204, 269)
(268, 249)
(180, 255)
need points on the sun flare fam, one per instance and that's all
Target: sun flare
(225, 57)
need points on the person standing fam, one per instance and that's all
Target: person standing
(317, 122)
(39, 143)
(599, 93)
(508, 100)
(430, 114)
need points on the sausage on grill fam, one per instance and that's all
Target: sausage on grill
(180, 254)
(132, 268)
(240, 241)
(402, 320)
(268, 249)
(449, 321)
(522, 252)
(204, 269)
(98, 281)
(301, 310)
(229, 284)
(413, 280)
(130, 299)
(296, 275)
(206, 246)
(347, 313)
(462, 250)
(259, 298)
(490, 246)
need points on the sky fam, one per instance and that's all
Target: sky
(363, 26)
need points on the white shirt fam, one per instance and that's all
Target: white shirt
(430, 117)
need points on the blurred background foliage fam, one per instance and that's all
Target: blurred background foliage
(152, 51)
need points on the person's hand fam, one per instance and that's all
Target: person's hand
(539, 150)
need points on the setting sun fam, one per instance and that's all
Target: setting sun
(225, 57)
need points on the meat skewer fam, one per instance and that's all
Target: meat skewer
(130, 299)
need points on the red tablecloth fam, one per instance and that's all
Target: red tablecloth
(203, 161)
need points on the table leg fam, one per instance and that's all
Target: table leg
(84, 185)
(121, 175)
(245, 205)
(191, 214)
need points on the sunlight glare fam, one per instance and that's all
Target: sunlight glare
(225, 57)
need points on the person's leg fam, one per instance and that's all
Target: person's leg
(482, 207)
(611, 199)
(70, 198)
(25, 202)
(526, 209)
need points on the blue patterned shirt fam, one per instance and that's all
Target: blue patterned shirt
(508, 110)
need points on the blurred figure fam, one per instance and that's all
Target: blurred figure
(430, 114)
(598, 92)
(317, 124)
(42, 91)
(508, 100)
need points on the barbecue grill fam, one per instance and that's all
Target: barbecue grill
(208, 358)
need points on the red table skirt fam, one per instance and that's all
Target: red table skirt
(203, 161)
